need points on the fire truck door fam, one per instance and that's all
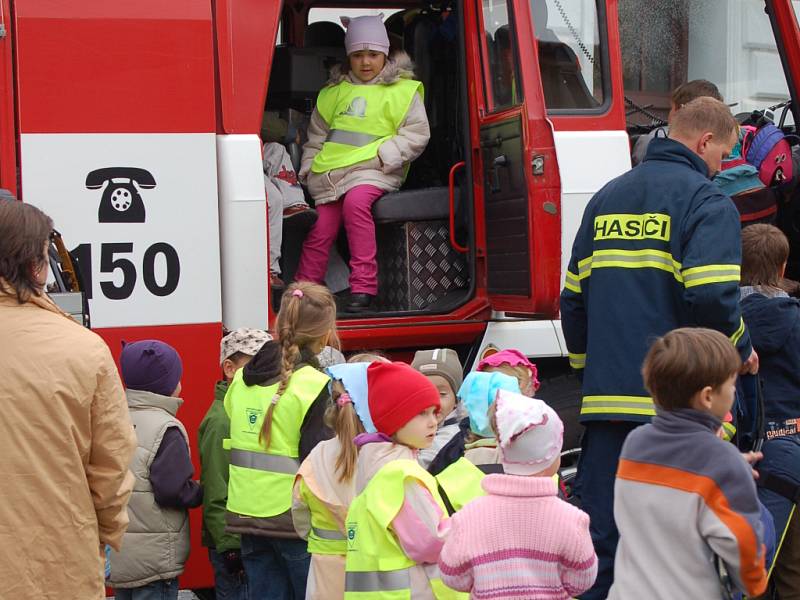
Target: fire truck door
(784, 19)
(520, 175)
(8, 161)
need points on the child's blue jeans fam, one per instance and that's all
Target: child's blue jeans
(165, 589)
(277, 569)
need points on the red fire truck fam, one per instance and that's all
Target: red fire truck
(137, 126)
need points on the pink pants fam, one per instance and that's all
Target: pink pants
(355, 208)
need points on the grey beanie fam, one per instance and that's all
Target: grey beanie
(440, 361)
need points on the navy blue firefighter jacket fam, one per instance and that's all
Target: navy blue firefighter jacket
(658, 248)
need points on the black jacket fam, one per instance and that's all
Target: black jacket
(774, 325)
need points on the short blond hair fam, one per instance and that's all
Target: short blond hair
(368, 357)
(521, 373)
(702, 115)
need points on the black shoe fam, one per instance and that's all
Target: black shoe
(299, 218)
(359, 303)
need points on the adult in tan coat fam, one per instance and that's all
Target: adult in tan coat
(65, 435)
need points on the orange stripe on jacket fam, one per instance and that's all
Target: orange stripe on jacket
(754, 575)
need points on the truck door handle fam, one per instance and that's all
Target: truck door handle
(452, 199)
(497, 162)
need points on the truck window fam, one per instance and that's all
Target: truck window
(730, 44)
(504, 88)
(569, 40)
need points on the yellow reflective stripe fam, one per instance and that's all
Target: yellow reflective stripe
(350, 138)
(630, 259)
(377, 581)
(737, 335)
(328, 534)
(572, 283)
(711, 274)
(626, 405)
(728, 431)
(261, 461)
(783, 537)
(577, 361)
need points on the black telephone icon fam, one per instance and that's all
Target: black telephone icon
(121, 201)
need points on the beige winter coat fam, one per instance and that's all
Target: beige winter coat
(483, 452)
(318, 471)
(386, 170)
(65, 444)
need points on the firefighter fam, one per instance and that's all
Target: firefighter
(658, 248)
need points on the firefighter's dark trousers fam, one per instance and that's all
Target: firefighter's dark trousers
(594, 487)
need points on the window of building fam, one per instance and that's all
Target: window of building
(727, 42)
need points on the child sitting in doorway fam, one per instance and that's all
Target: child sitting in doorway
(368, 125)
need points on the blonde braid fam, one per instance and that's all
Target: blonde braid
(307, 315)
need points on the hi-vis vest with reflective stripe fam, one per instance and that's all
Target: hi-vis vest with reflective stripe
(461, 482)
(260, 482)
(325, 536)
(377, 567)
(360, 118)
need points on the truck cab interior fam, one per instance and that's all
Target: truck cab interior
(423, 229)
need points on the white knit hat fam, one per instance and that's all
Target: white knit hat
(530, 433)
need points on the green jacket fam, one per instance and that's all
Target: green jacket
(214, 461)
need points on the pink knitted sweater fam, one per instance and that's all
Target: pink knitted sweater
(519, 541)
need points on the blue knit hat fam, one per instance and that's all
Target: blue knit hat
(478, 393)
(150, 366)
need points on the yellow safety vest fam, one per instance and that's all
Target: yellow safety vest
(377, 567)
(260, 482)
(360, 118)
(325, 536)
(461, 482)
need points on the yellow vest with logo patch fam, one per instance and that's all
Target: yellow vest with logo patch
(360, 118)
(260, 482)
(377, 567)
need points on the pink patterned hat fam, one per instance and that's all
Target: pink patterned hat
(512, 358)
(530, 433)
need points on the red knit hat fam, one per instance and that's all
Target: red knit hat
(397, 393)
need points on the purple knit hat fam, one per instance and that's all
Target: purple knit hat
(151, 366)
(365, 33)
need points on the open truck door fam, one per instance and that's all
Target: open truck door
(784, 20)
(518, 203)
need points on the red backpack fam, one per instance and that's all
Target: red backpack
(766, 148)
